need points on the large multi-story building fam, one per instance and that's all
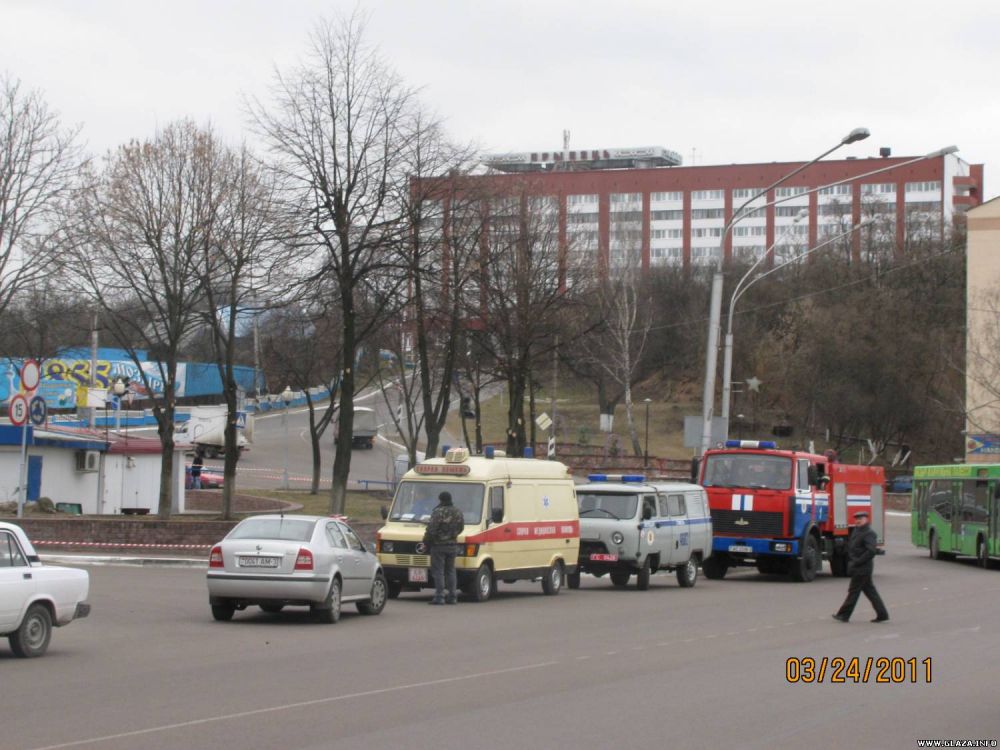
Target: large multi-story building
(641, 207)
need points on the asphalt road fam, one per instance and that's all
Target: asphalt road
(594, 668)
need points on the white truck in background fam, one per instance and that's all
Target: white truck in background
(206, 429)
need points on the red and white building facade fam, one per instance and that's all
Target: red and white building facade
(639, 206)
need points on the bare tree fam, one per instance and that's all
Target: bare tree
(39, 162)
(143, 229)
(244, 268)
(337, 127)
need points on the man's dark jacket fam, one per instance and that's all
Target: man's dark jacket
(861, 551)
(445, 524)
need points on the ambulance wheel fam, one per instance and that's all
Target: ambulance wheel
(620, 577)
(805, 567)
(552, 580)
(715, 567)
(482, 586)
(642, 577)
(687, 574)
(573, 580)
(395, 589)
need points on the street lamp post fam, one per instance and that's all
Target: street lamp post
(645, 454)
(119, 390)
(286, 397)
(715, 303)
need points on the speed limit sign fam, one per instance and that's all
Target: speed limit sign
(18, 410)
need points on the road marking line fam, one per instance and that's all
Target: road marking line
(301, 704)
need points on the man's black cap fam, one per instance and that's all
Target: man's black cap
(445, 497)
(861, 514)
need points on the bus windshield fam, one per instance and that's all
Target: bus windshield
(751, 470)
(414, 501)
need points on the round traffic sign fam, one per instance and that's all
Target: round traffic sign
(18, 410)
(30, 375)
(38, 410)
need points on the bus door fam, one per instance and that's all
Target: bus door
(957, 501)
(994, 541)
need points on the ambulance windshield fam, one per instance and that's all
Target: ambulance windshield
(415, 500)
(750, 470)
(607, 505)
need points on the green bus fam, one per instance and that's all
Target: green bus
(956, 511)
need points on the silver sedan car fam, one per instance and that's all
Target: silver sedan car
(273, 561)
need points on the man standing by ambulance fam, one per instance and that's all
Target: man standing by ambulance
(445, 524)
(861, 551)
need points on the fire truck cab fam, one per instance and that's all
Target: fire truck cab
(785, 511)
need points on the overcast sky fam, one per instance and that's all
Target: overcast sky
(728, 81)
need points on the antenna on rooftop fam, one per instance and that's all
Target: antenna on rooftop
(565, 140)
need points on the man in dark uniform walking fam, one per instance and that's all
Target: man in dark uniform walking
(861, 551)
(443, 528)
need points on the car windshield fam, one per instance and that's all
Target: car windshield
(287, 529)
(607, 504)
(414, 501)
(752, 470)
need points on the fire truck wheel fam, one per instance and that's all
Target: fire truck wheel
(838, 562)
(715, 567)
(687, 574)
(620, 577)
(642, 577)
(806, 566)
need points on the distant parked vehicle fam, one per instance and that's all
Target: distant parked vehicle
(35, 597)
(901, 484)
(365, 428)
(273, 561)
(210, 479)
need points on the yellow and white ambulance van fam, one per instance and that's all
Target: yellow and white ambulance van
(521, 522)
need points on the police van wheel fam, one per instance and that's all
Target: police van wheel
(573, 580)
(642, 577)
(620, 578)
(552, 581)
(482, 587)
(687, 574)
(715, 567)
(805, 567)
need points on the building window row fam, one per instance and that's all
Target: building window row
(930, 186)
(707, 213)
(706, 232)
(787, 210)
(708, 195)
(744, 193)
(582, 218)
(878, 187)
(667, 234)
(788, 192)
(577, 200)
(675, 195)
(836, 190)
(626, 197)
(666, 215)
(745, 231)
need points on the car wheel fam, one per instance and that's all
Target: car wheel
(32, 637)
(715, 567)
(395, 589)
(620, 577)
(272, 609)
(573, 580)
(376, 603)
(329, 612)
(642, 577)
(552, 581)
(482, 586)
(687, 574)
(804, 568)
(223, 612)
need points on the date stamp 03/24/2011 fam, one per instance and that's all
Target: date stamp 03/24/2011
(858, 670)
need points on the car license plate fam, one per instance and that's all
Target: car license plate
(600, 557)
(740, 548)
(259, 562)
(418, 575)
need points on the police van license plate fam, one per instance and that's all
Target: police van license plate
(602, 557)
(417, 575)
(740, 548)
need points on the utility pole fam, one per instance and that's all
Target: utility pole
(555, 387)
(93, 373)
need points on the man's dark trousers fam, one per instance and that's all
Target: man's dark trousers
(862, 584)
(442, 566)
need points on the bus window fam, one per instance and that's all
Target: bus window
(940, 498)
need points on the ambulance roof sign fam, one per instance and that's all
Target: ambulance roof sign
(30, 375)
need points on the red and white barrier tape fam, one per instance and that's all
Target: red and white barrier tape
(42, 543)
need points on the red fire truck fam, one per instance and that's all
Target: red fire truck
(785, 511)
